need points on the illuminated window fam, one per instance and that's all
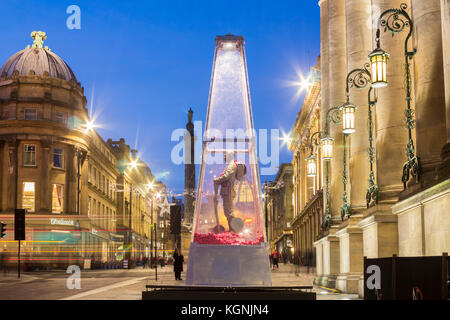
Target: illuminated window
(29, 155)
(58, 158)
(57, 198)
(30, 114)
(28, 196)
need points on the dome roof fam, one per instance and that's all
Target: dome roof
(37, 60)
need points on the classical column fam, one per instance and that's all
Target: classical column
(324, 66)
(12, 178)
(45, 186)
(337, 73)
(445, 24)
(391, 133)
(429, 86)
(71, 181)
(359, 45)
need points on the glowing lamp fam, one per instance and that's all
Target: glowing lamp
(248, 220)
(348, 118)
(327, 148)
(378, 61)
(311, 166)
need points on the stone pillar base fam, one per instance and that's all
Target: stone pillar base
(349, 282)
(361, 286)
(328, 263)
(380, 232)
(351, 254)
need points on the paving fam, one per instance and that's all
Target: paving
(119, 284)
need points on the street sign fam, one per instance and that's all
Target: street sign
(19, 224)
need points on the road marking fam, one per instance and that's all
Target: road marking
(106, 288)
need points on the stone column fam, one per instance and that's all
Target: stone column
(337, 74)
(429, 87)
(45, 185)
(380, 234)
(334, 72)
(12, 178)
(391, 133)
(71, 182)
(445, 25)
(324, 66)
(359, 45)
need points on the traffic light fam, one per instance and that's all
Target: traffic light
(2, 230)
(19, 224)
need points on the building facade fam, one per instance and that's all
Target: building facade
(278, 204)
(77, 190)
(377, 200)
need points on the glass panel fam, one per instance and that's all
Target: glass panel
(57, 198)
(228, 205)
(28, 196)
(29, 155)
(57, 157)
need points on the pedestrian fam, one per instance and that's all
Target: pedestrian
(3, 262)
(178, 260)
(144, 262)
(275, 257)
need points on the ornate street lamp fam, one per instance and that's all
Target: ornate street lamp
(378, 62)
(327, 148)
(348, 118)
(396, 20)
(311, 166)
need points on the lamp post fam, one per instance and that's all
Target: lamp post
(360, 79)
(396, 20)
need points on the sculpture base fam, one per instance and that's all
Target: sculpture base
(228, 265)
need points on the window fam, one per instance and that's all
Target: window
(161, 224)
(89, 172)
(107, 187)
(28, 196)
(29, 155)
(57, 198)
(61, 117)
(94, 202)
(58, 158)
(89, 206)
(30, 114)
(95, 177)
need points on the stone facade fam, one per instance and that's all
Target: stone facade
(407, 221)
(278, 198)
(75, 187)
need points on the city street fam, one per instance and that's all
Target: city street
(122, 284)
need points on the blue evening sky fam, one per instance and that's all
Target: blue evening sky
(145, 63)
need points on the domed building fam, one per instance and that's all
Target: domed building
(54, 165)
